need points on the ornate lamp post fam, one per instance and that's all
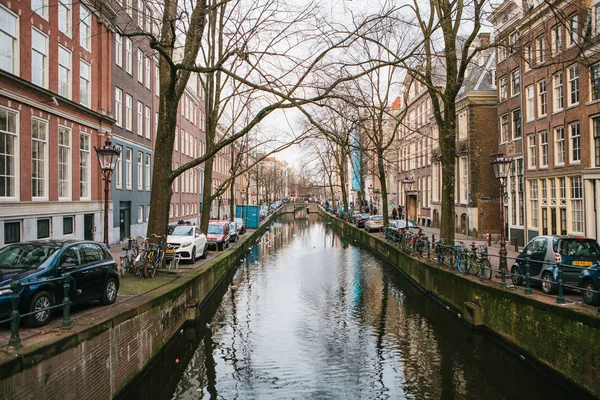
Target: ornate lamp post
(370, 199)
(107, 157)
(501, 165)
(407, 183)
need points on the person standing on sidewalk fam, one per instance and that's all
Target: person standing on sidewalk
(394, 213)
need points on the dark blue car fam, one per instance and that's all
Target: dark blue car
(589, 282)
(90, 264)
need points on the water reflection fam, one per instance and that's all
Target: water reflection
(307, 315)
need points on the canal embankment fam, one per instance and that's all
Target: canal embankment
(565, 338)
(102, 354)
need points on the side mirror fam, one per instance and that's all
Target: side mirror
(67, 266)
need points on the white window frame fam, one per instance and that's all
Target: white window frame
(140, 218)
(140, 66)
(140, 13)
(128, 112)
(575, 143)
(85, 164)
(118, 107)
(559, 146)
(11, 181)
(577, 204)
(516, 134)
(9, 41)
(128, 168)
(64, 163)
(148, 126)
(65, 17)
(504, 132)
(128, 56)
(503, 88)
(530, 103)
(542, 98)
(140, 170)
(118, 50)
(65, 72)
(148, 171)
(544, 149)
(85, 28)
(85, 83)
(573, 30)
(557, 39)
(140, 118)
(534, 203)
(573, 96)
(558, 92)
(541, 49)
(40, 7)
(515, 83)
(528, 57)
(39, 79)
(532, 151)
(43, 162)
(119, 169)
(147, 77)
(595, 82)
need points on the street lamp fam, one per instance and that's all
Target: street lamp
(501, 165)
(407, 183)
(107, 157)
(371, 199)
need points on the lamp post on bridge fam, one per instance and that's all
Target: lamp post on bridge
(107, 158)
(501, 166)
(407, 183)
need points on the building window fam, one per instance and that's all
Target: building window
(156, 80)
(596, 136)
(64, 72)
(40, 7)
(543, 149)
(68, 225)
(140, 13)
(147, 77)
(12, 232)
(516, 120)
(85, 28)
(541, 49)
(556, 39)
(119, 50)
(119, 107)
(43, 228)
(559, 145)
(597, 19)
(140, 171)
(528, 55)
(84, 166)
(532, 152)
(64, 17)
(576, 204)
(533, 199)
(129, 7)
(504, 128)
(503, 88)
(148, 127)
(542, 105)
(530, 99)
(515, 82)
(140, 118)
(558, 97)
(140, 218)
(85, 84)
(573, 30)
(119, 169)
(128, 168)
(147, 213)
(573, 84)
(128, 112)
(9, 153)
(521, 190)
(575, 143)
(147, 166)
(64, 162)
(39, 158)
(8, 41)
(39, 58)
(128, 56)
(140, 66)
(595, 77)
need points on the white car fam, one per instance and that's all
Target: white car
(188, 242)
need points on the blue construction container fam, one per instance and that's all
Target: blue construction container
(250, 214)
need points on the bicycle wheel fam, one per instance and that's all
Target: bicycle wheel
(486, 269)
(449, 256)
(465, 262)
(475, 268)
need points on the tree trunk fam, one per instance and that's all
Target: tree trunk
(448, 159)
(207, 194)
(383, 184)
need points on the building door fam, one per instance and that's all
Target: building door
(553, 221)
(124, 220)
(88, 226)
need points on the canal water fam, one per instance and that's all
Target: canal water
(308, 315)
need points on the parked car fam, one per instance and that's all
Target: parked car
(218, 234)
(360, 221)
(374, 223)
(234, 235)
(354, 215)
(395, 226)
(576, 254)
(188, 242)
(90, 264)
(589, 282)
(241, 225)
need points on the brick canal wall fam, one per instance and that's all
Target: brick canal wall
(565, 340)
(98, 361)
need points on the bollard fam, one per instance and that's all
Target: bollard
(66, 322)
(527, 277)
(516, 246)
(15, 317)
(560, 298)
(503, 270)
(433, 238)
(428, 252)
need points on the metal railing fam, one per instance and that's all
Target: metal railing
(15, 315)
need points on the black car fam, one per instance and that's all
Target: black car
(35, 263)
(361, 219)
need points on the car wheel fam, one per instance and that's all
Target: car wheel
(41, 300)
(193, 260)
(109, 294)
(548, 285)
(205, 251)
(515, 276)
(590, 294)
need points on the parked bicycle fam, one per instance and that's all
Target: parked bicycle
(479, 262)
(127, 262)
(155, 255)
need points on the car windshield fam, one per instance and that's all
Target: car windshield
(215, 229)
(364, 216)
(239, 221)
(182, 231)
(26, 255)
(377, 218)
(580, 248)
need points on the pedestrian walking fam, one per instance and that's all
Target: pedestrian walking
(394, 213)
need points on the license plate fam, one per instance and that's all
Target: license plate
(582, 263)
(169, 251)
